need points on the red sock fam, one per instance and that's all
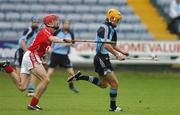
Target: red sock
(9, 69)
(34, 101)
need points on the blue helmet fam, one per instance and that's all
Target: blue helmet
(35, 18)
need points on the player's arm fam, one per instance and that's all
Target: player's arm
(23, 45)
(103, 33)
(24, 39)
(57, 40)
(72, 37)
(120, 50)
(110, 48)
(50, 48)
(44, 62)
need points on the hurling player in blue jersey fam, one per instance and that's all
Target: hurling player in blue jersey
(59, 53)
(106, 32)
(25, 41)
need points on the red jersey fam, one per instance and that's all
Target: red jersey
(41, 42)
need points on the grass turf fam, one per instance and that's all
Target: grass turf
(140, 93)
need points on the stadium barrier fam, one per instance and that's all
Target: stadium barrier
(168, 52)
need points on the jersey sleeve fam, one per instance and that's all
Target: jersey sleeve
(26, 33)
(71, 32)
(114, 37)
(24, 36)
(102, 33)
(56, 32)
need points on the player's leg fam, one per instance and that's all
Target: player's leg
(15, 75)
(103, 82)
(103, 68)
(40, 73)
(98, 81)
(31, 86)
(25, 73)
(31, 64)
(20, 81)
(18, 60)
(110, 77)
(50, 71)
(66, 62)
(70, 73)
(6, 67)
(113, 82)
(16, 79)
(92, 79)
(53, 63)
(18, 70)
(25, 79)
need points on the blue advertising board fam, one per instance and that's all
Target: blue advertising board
(7, 49)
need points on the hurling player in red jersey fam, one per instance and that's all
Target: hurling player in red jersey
(32, 60)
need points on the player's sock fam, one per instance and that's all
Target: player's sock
(30, 88)
(5, 66)
(91, 79)
(8, 69)
(113, 95)
(34, 101)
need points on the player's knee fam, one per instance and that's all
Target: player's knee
(115, 85)
(22, 89)
(46, 80)
(104, 85)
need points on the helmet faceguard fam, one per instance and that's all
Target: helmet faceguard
(66, 24)
(35, 22)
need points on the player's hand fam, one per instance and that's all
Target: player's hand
(67, 40)
(45, 64)
(126, 53)
(49, 49)
(121, 57)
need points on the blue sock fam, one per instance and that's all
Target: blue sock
(31, 88)
(91, 79)
(113, 95)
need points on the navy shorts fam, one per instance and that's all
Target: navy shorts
(18, 57)
(102, 64)
(60, 60)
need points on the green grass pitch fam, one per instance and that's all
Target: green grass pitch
(140, 93)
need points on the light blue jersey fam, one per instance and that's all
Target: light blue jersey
(178, 8)
(29, 35)
(105, 33)
(60, 48)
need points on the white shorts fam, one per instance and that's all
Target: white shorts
(29, 61)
